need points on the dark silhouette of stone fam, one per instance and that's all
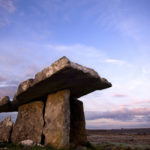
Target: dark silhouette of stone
(78, 134)
(5, 129)
(5, 104)
(57, 119)
(29, 123)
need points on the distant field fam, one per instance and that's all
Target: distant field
(128, 136)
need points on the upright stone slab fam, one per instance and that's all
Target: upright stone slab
(78, 134)
(29, 123)
(5, 129)
(57, 119)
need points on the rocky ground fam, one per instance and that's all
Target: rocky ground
(128, 136)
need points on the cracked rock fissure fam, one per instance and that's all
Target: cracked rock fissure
(42, 136)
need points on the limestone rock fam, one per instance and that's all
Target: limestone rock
(62, 74)
(5, 129)
(57, 119)
(6, 105)
(27, 143)
(4, 100)
(29, 123)
(78, 134)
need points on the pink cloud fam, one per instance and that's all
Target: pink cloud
(122, 114)
(2, 78)
(120, 95)
(8, 5)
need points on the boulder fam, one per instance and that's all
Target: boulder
(5, 104)
(62, 74)
(4, 100)
(29, 123)
(28, 143)
(5, 129)
(57, 119)
(78, 134)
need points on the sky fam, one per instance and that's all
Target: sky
(110, 36)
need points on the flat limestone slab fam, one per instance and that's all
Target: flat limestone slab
(29, 123)
(57, 119)
(62, 74)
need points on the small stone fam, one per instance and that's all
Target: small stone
(40, 145)
(4, 100)
(27, 143)
(5, 129)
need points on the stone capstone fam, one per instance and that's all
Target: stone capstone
(5, 129)
(62, 74)
(57, 119)
(29, 123)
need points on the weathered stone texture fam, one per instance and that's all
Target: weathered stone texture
(5, 104)
(78, 134)
(29, 123)
(4, 100)
(5, 129)
(62, 74)
(57, 119)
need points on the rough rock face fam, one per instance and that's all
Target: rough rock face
(62, 74)
(5, 129)
(57, 119)
(4, 100)
(27, 143)
(78, 134)
(29, 123)
(5, 104)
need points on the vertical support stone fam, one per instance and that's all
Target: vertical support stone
(29, 123)
(57, 119)
(5, 129)
(78, 134)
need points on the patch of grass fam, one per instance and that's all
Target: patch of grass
(89, 146)
(121, 146)
(10, 146)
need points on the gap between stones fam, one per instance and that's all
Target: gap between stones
(42, 136)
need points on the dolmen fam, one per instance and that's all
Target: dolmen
(49, 111)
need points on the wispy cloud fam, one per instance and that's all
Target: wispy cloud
(115, 61)
(8, 5)
(123, 114)
(8, 91)
(2, 79)
(119, 95)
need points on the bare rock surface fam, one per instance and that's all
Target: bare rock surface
(27, 143)
(78, 134)
(5, 129)
(5, 104)
(4, 100)
(29, 123)
(57, 119)
(62, 74)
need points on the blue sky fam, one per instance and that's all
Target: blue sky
(111, 36)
